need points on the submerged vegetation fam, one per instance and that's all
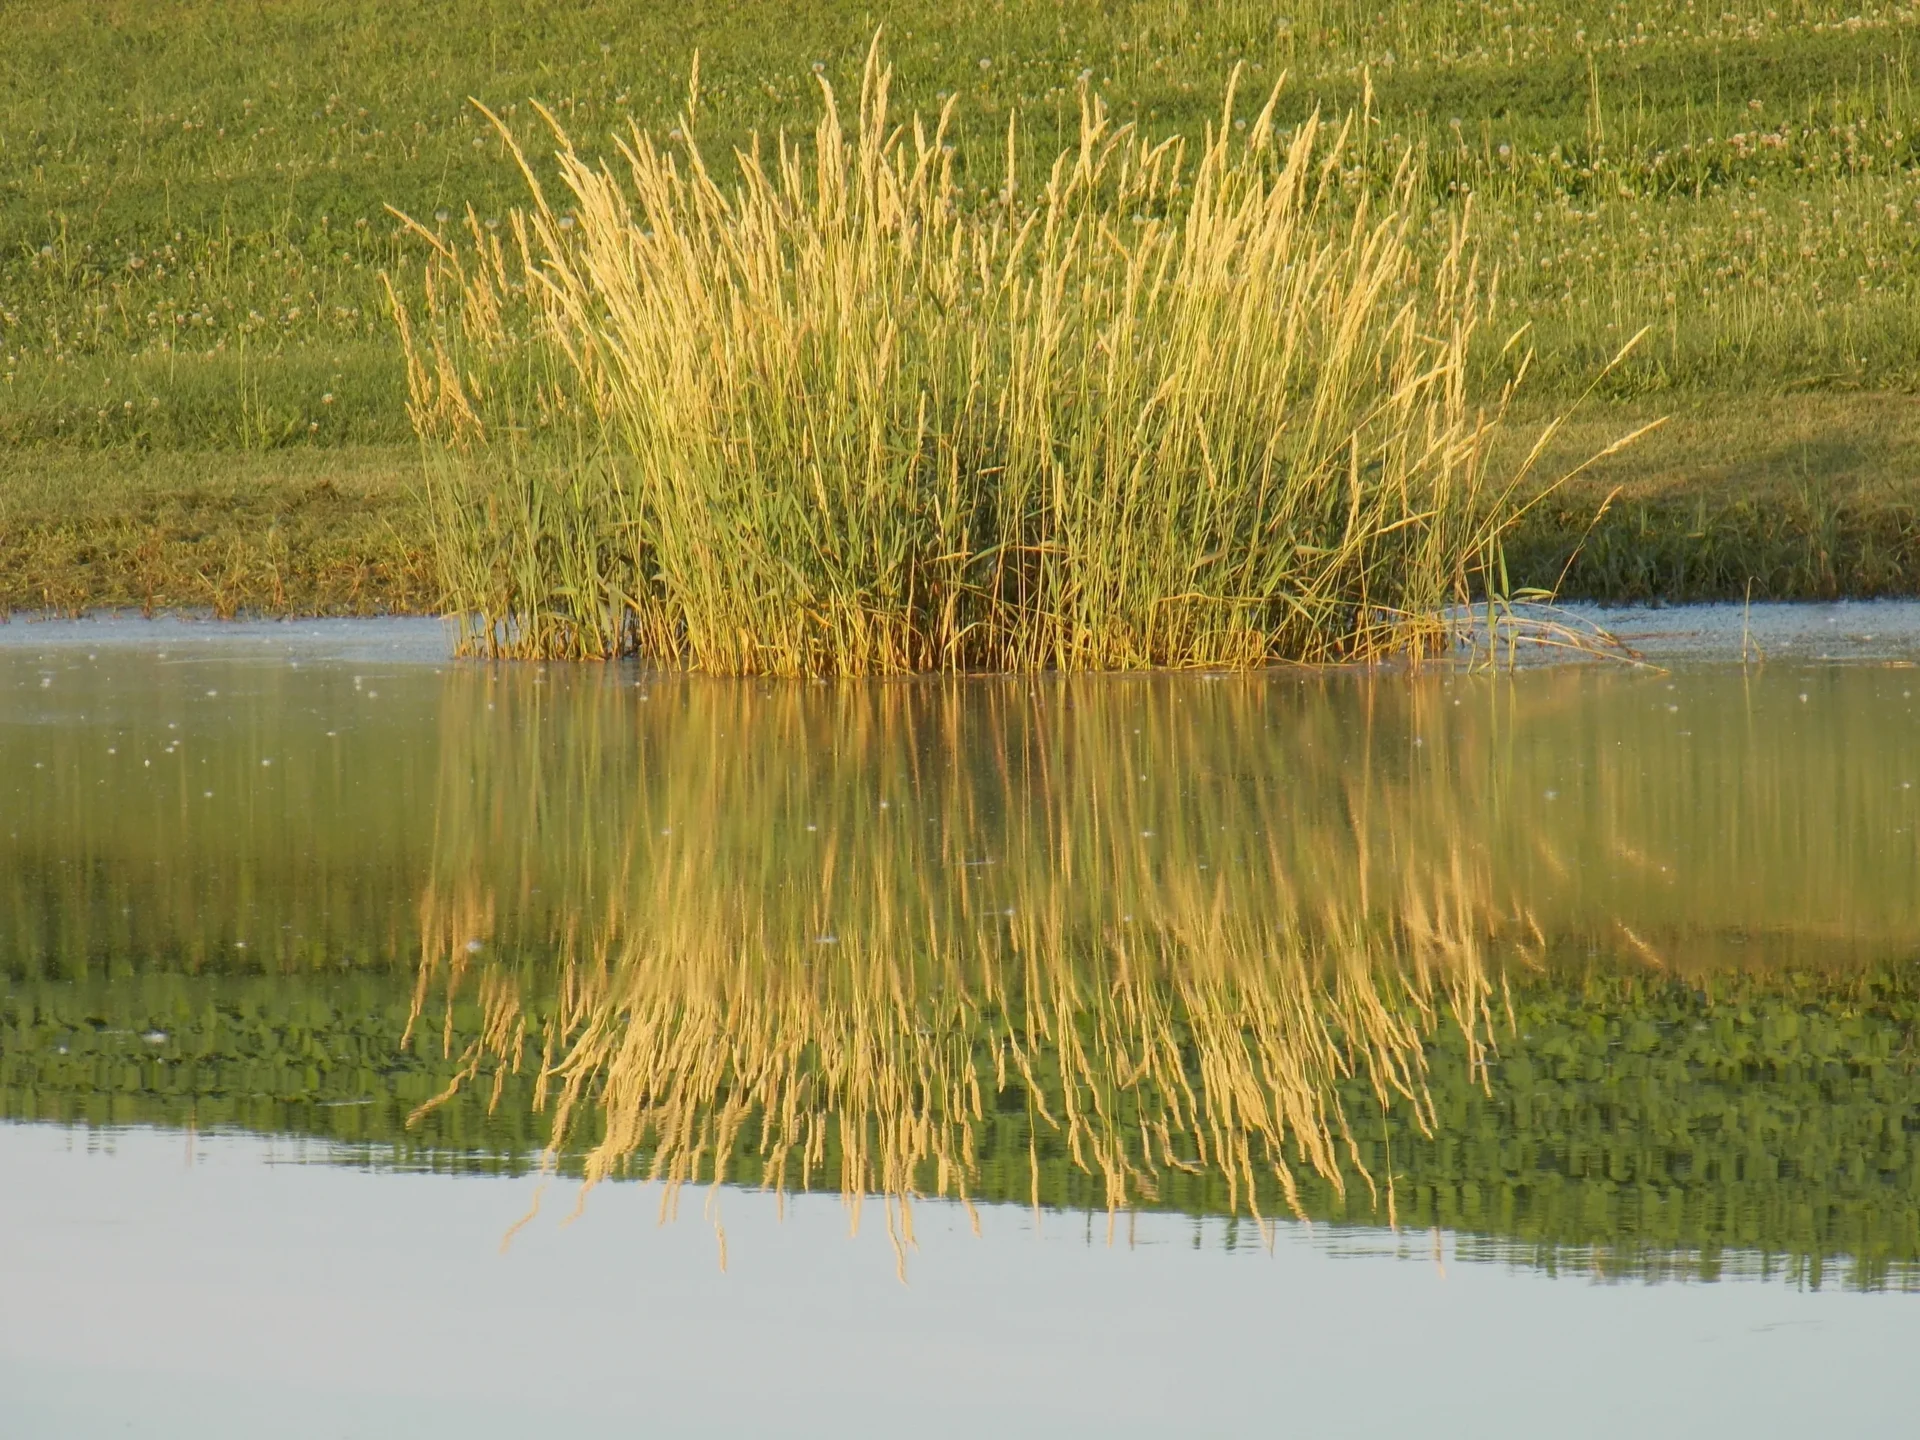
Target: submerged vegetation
(836, 418)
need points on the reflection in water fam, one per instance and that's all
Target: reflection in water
(1615, 969)
(838, 936)
(1189, 938)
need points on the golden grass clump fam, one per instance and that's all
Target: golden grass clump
(853, 412)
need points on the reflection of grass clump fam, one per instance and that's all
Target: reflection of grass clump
(1238, 943)
(1184, 1043)
(765, 928)
(832, 974)
(838, 417)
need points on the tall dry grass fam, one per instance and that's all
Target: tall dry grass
(849, 412)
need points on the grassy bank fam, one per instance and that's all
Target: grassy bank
(1803, 496)
(1823, 500)
(305, 531)
(192, 225)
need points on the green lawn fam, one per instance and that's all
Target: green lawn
(193, 337)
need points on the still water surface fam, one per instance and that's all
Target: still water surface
(1456, 1052)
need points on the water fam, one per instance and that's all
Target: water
(1097, 1054)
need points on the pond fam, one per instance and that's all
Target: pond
(397, 1045)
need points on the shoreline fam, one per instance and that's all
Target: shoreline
(1882, 632)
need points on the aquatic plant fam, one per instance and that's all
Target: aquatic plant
(852, 415)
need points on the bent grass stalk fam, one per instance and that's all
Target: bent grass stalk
(850, 414)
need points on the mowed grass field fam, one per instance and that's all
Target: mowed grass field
(202, 400)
